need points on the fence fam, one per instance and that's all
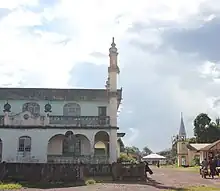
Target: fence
(36, 172)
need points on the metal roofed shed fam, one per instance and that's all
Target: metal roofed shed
(154, 156)
(154, 159)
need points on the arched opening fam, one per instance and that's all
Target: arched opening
(1, 150)
(24, 144)
(101, 147)
(69, 145)
(71, 109)
(55, 145)
(32, 107)
(83, 146)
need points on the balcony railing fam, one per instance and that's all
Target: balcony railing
(85, 159)
(80, 120)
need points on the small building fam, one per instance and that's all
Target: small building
(154, 159)
(211, 150)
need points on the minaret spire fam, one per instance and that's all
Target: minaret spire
(113, 42)
(182, 130)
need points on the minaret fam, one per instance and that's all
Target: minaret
(111, 85)
(182, 130)
(113, 71)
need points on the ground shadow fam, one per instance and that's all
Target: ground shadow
(149, 181)
(49, 185)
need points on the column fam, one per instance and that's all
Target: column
(113, 146)
(92, 145)
(6, 119)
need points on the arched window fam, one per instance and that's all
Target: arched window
(71, 109)
(24, 144)
(32, 107)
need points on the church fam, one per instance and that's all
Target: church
(39, 125)
(188, 153)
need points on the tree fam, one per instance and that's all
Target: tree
(191, 140)
(146, 150)
(132, 150)
(206, 131)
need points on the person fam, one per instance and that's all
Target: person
(204, 169)
(205, 164)
(212, 167)
(158, 164)
(147, 168)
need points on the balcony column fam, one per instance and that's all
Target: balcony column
(92, 145)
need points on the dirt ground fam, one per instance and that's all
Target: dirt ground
(162, 179)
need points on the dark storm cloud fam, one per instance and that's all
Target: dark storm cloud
(203, 40)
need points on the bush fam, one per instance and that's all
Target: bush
(126, 158)
(90, 182)
(196, 161)
(10, 186)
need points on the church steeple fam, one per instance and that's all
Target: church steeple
(182, 130)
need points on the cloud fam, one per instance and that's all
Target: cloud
(201, 40)
(168, 56)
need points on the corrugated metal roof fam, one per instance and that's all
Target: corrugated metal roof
(208, 147)
(55, 94)
(154, 156)
(199, 146)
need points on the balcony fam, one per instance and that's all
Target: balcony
(59, 120)
(80, 121)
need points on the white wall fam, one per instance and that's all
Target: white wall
(88, 108)
(39, 139)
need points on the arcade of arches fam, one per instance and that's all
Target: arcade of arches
(72, 144)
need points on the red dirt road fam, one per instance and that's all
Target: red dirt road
(162, 179)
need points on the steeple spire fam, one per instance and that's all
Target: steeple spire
(113, 42)
(113, 50)
(182, 130)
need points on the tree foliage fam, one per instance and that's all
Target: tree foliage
(132, 150)
(126, 158)
(206, 130)
(147, 151)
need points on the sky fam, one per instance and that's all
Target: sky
(169, 53)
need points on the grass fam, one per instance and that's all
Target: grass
(196, 188)
(10, 186)
(190, 169)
